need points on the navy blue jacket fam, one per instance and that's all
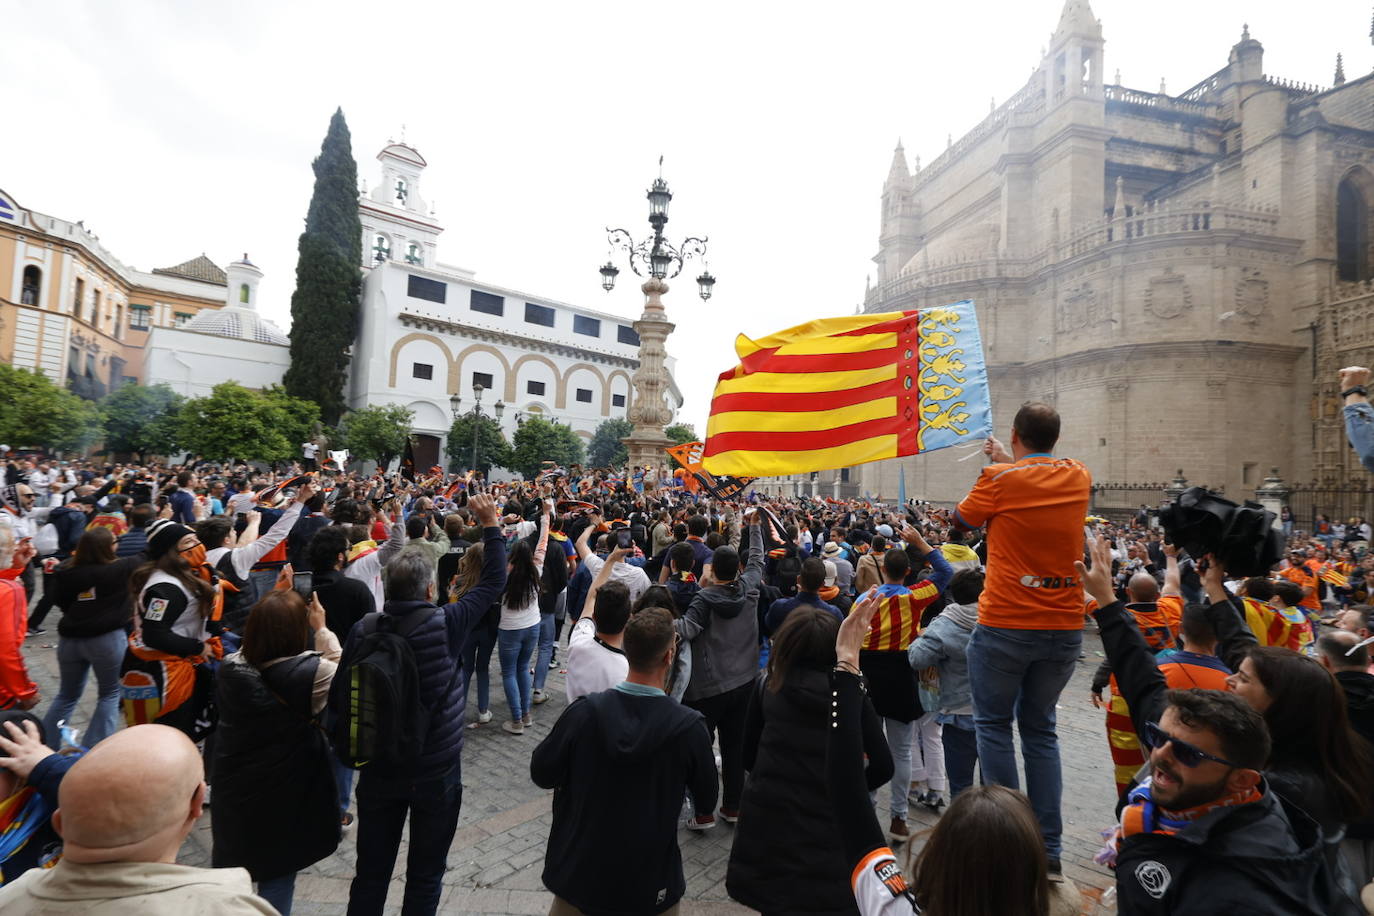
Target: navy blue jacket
(778, 610)
(438, 644)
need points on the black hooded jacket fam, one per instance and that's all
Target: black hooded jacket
(619, 764)
(1359, 701)
(1262, 858)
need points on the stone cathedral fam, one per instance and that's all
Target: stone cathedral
(1180, 274)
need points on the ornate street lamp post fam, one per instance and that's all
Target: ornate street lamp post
(455, 404)
(656, 260)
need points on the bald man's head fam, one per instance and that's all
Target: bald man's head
(1332, 648)
(1142, 587)
(132, 798)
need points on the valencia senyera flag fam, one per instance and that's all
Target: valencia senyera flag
(836, 392)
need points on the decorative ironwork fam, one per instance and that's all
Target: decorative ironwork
(655, 256)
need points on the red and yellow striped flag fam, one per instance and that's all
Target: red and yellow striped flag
(843, 391)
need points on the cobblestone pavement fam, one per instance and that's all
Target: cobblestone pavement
(496, 859)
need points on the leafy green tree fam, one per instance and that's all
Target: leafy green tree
(325, 305)
(492, 448)
(378, 432)
(537, 440)
(142, 419)
(294, 418)
(36, 411)
(606, 450)
(681, 433)
(234, 422)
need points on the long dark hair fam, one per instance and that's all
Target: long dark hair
(173, 565)
(806, 639)
(1310, 729)
(956, 876)
(522, 585)
(96, 548)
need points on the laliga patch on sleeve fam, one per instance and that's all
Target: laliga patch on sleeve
(156, 608)
(890, 874)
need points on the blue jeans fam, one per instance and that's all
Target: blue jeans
(477, 659)
(278, 892)
(1022, 673)
(899, 735)
(433, 803)
(343, 776)
(517, 648)
(961, 751)
(541, 664)
(76, 656)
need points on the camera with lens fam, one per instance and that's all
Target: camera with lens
(1242, 537)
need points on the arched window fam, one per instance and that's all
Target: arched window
(413, 254)
(1352, 229)
(32, 287)
(381, 248)
(243, 293)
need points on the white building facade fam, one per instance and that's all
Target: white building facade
(430, 331)
(233, 343)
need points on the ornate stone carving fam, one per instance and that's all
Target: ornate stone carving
(1081, 306)
(1252, 295)
(1168, 295)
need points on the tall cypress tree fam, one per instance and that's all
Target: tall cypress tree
(325, 306)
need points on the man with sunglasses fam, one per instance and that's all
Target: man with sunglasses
(1202, 833)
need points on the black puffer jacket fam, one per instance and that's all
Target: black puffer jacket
(276, 804)
(95, 597)
(785, 858)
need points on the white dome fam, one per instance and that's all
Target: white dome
(240, 323)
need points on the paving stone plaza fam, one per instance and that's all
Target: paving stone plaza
(497, 856)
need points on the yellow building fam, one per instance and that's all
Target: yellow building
(70, 309)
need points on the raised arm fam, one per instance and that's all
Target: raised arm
(1141, 682)
(1173, 580)
(543, 538)
(603, 575)
(1234, 638)
(243, 558)
(584, 551)
(395, 542)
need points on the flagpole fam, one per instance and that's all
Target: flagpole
(901, 484)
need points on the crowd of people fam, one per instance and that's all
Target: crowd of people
(301, 648)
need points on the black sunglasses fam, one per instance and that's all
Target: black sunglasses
(1187, 754)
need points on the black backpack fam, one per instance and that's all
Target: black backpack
(378, 716)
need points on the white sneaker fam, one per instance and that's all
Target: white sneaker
(538, 697)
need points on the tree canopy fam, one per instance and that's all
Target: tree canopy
(492, 448)
(606, 450)
(36, 411)
(538, 440)
(681, 433)
(143, 419)
(325, 305)
(378, 432)
(235, 422)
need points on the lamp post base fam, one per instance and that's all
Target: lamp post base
(646, 448)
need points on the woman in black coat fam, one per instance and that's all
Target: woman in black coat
(785, 857)
(276, 800)
(92, 588)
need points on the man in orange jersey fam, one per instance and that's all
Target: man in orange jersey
(891, 680)
(1299, 573)
(1030, 615)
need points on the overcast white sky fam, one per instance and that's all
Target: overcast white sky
(174, 128)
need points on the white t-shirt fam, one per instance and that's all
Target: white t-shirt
(633, 577)
(593, 666)
(309, 449)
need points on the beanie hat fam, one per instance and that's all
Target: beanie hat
(163, 535)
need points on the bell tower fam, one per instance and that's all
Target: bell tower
(398, 225)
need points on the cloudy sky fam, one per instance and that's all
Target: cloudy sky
(174, 128)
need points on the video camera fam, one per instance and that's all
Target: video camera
(1242, 538)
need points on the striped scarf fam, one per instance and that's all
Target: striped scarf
(1142, 815)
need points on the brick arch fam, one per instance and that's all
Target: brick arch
(399, 345)
(455, 371)
(562, 402)
(513, 377)
(606, 390)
